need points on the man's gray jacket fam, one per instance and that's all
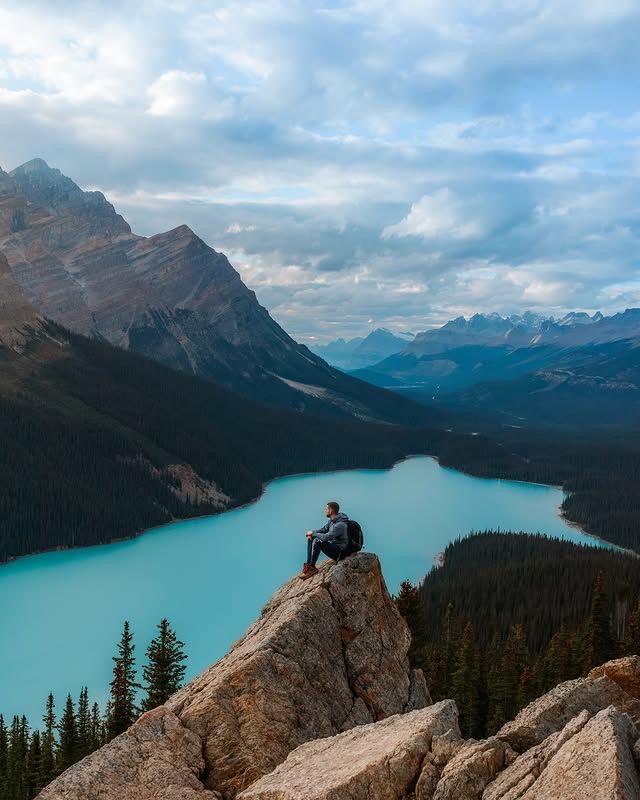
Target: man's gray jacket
(335, 531)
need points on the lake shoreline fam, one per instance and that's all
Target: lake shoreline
(438, 558)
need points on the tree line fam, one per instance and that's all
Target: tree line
(509, 616)
(30, 758)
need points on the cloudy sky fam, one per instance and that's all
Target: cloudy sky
(384, 162)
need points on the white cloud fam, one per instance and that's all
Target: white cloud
(439, 214)
(177, 92)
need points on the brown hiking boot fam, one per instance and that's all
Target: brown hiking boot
(308, 571)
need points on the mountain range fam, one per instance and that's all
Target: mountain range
(351, 354)
(580, 369)
(169, 296)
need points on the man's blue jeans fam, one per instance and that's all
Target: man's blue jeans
(316, 546)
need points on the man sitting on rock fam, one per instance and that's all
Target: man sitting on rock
(332, 539)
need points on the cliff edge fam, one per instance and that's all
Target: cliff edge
(317, 701)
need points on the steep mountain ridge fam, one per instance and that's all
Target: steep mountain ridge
(362, 352)
(317, 701)
(168, 296)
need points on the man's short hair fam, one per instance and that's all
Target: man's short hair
(335, 507)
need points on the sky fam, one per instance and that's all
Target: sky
(380, 163)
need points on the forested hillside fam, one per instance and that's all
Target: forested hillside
(99, 443)
(507, 616)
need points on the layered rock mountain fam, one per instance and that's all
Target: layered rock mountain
(18, 318)
(168, 296)
(317, 701)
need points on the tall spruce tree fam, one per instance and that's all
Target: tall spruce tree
(598, 643)
(410, 606)
(465, 684)
(164, 672)
(122, 702)
(49, 744)
(68, 732)
(33, 768)
(631, 644)
(4, 755)
(83, 743)
(17, 756)
(97, 728)
(505, 692)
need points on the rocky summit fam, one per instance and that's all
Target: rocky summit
(169, 296)
(317, 701)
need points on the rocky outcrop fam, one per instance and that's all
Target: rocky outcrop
(380, 761)
(624, 671)
(471, 770)
(317, 702)
(552, 711)
(595, 763)
(326, 655)
(157, 757)
(554, 735)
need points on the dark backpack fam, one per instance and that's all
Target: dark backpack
(356, 538)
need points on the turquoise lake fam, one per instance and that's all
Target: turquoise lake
(62, 613)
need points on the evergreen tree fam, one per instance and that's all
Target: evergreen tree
(48, 743)
(631, 644)
(514, 661)
(67, 728)
(33, 768)
(465, 684)
(122, 710)
(4, 756)
(164, 672)
(410, 606)
(83, 743)
(18, 748)
(599, 644)
(451, 638)
(97, 728)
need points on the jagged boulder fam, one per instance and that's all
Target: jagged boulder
(514, 781)
(552, 711)
(624, 671)
(157, 752)
(380, 761)
(472, 768)
(593, 762)
(327, 654)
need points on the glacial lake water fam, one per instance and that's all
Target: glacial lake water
(61, 613)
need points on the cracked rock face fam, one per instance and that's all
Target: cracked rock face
(553, 710)
(158, 751)
(327, 654)
(624, 671)
(596, 763)
(471, 769)
(380, 761)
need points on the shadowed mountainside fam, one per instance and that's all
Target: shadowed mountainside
(168, 296)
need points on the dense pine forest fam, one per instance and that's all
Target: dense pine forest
(88, 439)
(30, 758)
(508, 616)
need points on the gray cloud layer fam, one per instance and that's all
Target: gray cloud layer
(387, 163)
